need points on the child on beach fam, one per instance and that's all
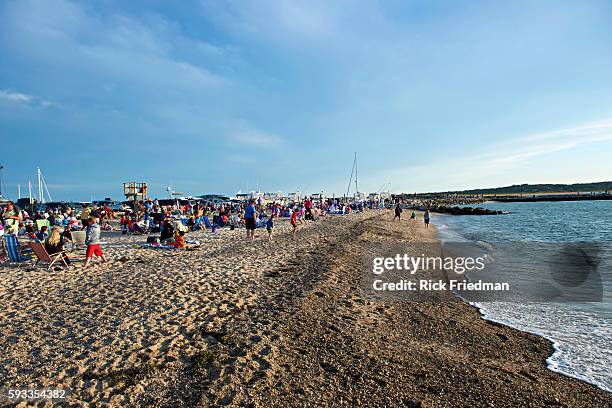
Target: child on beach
(426, 217)
(92, 239)
(413, 215)
(179, 240)
(43, 233)
(270, 226)
(294, 221)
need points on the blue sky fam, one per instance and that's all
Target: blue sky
(217, 96)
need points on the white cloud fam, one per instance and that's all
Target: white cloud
(15, 97)
(23, 99)
(255, 137)
(501, 162)
(515, 150)
(146, 55)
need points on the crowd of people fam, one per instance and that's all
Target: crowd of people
(54, 226)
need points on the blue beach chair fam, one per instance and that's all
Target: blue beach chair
(11, 246)
(207, 222)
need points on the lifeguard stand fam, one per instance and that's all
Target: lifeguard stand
(135, 191)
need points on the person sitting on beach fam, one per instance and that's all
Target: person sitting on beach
(125, 224)
(179, 240)
(92, 239)
(191, 223)
(29, 231)
(167, 231)
(43, 233)
(55, 244)
(66, 235)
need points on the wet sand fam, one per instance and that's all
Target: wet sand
(238, 323)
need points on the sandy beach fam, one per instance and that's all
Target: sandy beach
(248, 324)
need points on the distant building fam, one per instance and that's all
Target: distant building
(215, 198)
(297, 196)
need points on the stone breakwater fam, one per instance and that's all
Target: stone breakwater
(464, 210)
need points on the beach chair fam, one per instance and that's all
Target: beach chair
(43, 256)
(207, 222)
(12, 249)
(78, 239)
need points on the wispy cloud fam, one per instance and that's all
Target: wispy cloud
(499, 160)
(519, 149)
(23, 99)
(253, 137)
(15, 97)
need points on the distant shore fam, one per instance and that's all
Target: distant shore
(237, 323)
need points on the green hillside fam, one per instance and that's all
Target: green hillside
(539, 188)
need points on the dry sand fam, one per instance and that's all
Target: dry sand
(238, 323)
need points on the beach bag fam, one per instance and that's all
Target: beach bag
(153, 240)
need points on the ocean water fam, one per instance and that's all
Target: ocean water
(581, 332)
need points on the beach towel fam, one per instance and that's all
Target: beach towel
(156, 246)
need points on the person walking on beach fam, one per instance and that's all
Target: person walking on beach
(413, 215)
(92, 239)
(426, 217)
(250, 217)
(398, 212)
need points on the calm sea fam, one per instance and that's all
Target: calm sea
(581, 332)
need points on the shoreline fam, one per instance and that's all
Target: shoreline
(451, 232)
(553, 344)
(240, 324)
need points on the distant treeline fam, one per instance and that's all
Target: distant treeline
(538, 188)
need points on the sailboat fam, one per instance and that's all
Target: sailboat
(43, 196)
(357, 196)
(42, 185)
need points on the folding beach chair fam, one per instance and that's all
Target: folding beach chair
(78, 239)
(207, 222)
(43, 256)
(12, 249)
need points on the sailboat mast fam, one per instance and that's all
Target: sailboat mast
(41, 198)
(348, 188)
(356, 187)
